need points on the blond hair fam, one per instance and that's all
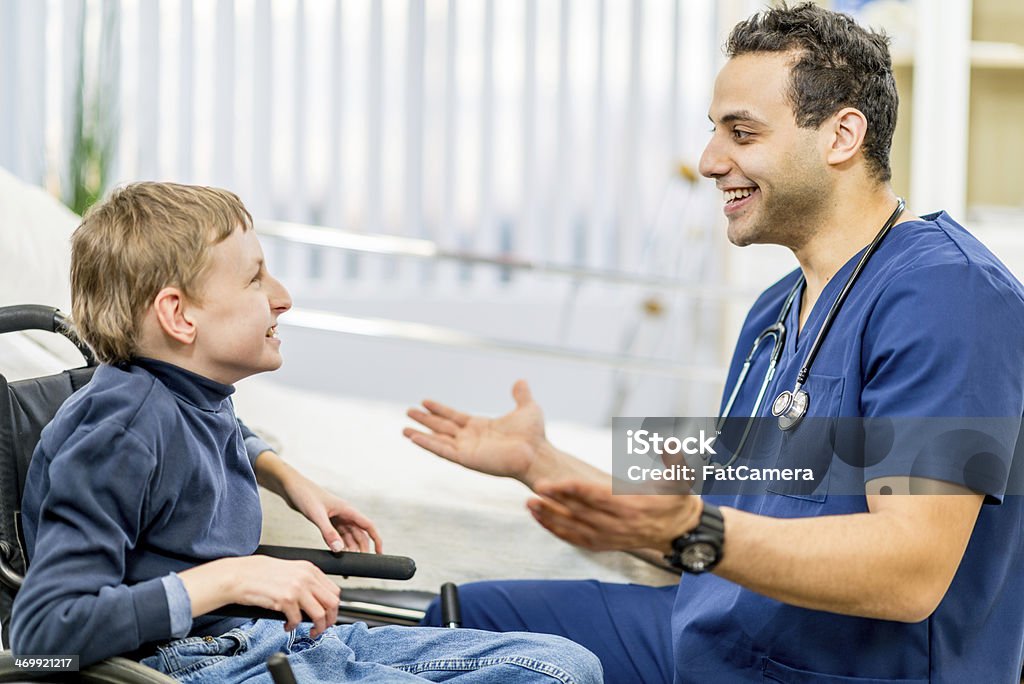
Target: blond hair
(143, 238)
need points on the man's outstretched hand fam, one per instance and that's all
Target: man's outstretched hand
(509, 446)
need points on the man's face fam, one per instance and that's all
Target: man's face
(772, 173)
(236, 319)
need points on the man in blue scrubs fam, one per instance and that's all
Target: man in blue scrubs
(853, 579)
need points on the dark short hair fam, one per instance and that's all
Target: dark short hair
(838, 64)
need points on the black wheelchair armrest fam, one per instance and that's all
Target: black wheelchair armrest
(343, 563)
(347, 563)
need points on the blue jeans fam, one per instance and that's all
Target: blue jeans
(353, 653)
(627, 626)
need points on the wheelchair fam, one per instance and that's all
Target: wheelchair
(26, 406)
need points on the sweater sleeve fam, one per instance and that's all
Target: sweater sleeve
(179, 605)
(254, 444)
(75, 600)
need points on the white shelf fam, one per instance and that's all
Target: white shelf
(996, 218)
(984, 55)
(1004, 237)
(989, 55)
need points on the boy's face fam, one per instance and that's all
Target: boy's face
(236, 321)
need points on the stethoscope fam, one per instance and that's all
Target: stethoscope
(791, 406)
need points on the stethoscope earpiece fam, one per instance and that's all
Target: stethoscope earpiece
(790, 408)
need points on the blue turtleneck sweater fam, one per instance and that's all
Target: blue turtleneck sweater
(141, 474)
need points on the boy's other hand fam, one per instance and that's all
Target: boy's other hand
(342, 526)
(508, 446)
(289, 587)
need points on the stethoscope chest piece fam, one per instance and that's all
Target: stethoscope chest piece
(790, 408)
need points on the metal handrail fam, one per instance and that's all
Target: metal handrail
(449, 337)
(395, 245)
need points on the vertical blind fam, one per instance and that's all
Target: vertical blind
(543, 129)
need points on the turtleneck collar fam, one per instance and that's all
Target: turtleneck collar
(195, 389)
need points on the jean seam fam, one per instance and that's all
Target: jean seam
(196, 667)
(241, 640)
(313, 643)
(467, 664)
(172, 661)
(169, 652)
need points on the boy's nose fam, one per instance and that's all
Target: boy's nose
(280, 300)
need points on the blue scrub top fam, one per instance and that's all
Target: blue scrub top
(933, 328)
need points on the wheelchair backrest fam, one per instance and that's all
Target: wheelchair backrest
(26, 407)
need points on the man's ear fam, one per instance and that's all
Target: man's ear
(847, 130)
(171, 308)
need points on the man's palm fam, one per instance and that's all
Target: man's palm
(505, 446)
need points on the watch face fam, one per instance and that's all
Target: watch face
(698, 556)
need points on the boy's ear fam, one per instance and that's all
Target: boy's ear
(849, 125)
(171, 309)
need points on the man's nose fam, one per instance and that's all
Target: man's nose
(713, 163)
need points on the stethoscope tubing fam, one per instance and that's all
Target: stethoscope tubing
(833, 311)
(794, 403)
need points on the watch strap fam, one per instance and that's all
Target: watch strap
(710, 530)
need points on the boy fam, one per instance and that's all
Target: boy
(141, 506)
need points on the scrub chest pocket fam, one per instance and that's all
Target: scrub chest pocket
(810, 446)
(777, 672)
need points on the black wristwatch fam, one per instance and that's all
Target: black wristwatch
(700, 549)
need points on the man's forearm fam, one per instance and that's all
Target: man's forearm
(555, 464)
(886, 564)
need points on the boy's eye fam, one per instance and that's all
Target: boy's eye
(256, 279)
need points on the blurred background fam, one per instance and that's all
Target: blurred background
(459, 193)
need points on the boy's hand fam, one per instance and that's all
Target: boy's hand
(289, 587)
(342, 526)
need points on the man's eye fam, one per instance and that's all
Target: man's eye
(740, 134)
